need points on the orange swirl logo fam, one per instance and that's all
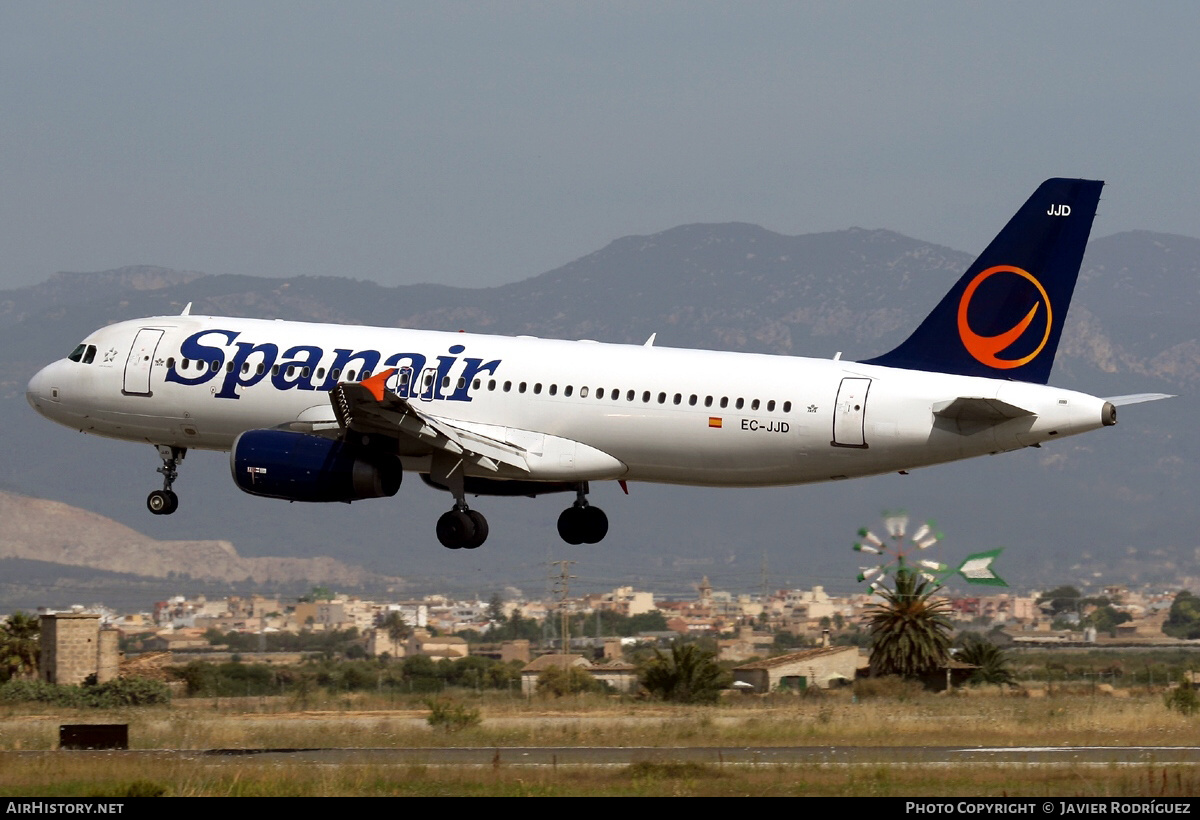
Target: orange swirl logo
(986, 349)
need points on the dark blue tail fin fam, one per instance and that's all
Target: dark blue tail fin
(1004, 317)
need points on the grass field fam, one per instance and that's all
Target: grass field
(1086, 717)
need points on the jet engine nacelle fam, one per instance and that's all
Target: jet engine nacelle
(302, 467)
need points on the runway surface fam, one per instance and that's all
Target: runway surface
(717, 755)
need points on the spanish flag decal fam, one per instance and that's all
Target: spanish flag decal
(714, 421)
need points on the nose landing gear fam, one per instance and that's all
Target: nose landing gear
(164, 501)
(581, 523)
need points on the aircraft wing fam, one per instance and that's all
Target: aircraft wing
(369, 407)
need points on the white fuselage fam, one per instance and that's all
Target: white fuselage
(584, 411)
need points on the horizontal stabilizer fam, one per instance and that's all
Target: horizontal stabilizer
(1137, 398)
(990, 411)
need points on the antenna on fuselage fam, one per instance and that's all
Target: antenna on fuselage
(650, 341)
(187, 310)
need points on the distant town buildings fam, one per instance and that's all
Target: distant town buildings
(757, 630)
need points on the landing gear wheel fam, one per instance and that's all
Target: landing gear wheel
(583, 525)
(569, 528)
(456, 530)
(595, 525)
(481, 530)
(162, 502)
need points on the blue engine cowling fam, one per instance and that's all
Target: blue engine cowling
(302, 467)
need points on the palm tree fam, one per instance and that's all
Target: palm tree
(992, 661)
(910, 633)
(19, 647)
(687, 675)
(397, 629)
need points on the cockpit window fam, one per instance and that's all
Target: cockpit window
(83, 353)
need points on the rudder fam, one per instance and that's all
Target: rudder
(1004, 317)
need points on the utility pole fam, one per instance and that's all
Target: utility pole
(561, 589)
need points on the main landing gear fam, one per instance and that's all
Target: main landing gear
(581, 523)
(462, 528)
(164, 501)
(465, 529)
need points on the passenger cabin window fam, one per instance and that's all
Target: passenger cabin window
(787, 407)
(567, 390)
(553, 389)
(583, 392)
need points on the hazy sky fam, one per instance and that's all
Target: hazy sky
(481, 143)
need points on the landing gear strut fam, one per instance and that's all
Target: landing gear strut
(462, 528)
(581, 523)
(164, 501)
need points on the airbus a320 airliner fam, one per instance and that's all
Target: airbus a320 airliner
(318, 412)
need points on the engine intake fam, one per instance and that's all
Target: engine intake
(302, 467)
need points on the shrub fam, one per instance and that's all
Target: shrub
(111, 695)
(557, 681)
(888, 686)
(451, 716)
(1183, 699)
(127, 692)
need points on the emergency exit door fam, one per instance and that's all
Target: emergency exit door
(141, 359)
(850, 413)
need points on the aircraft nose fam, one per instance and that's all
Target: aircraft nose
(40, 391)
